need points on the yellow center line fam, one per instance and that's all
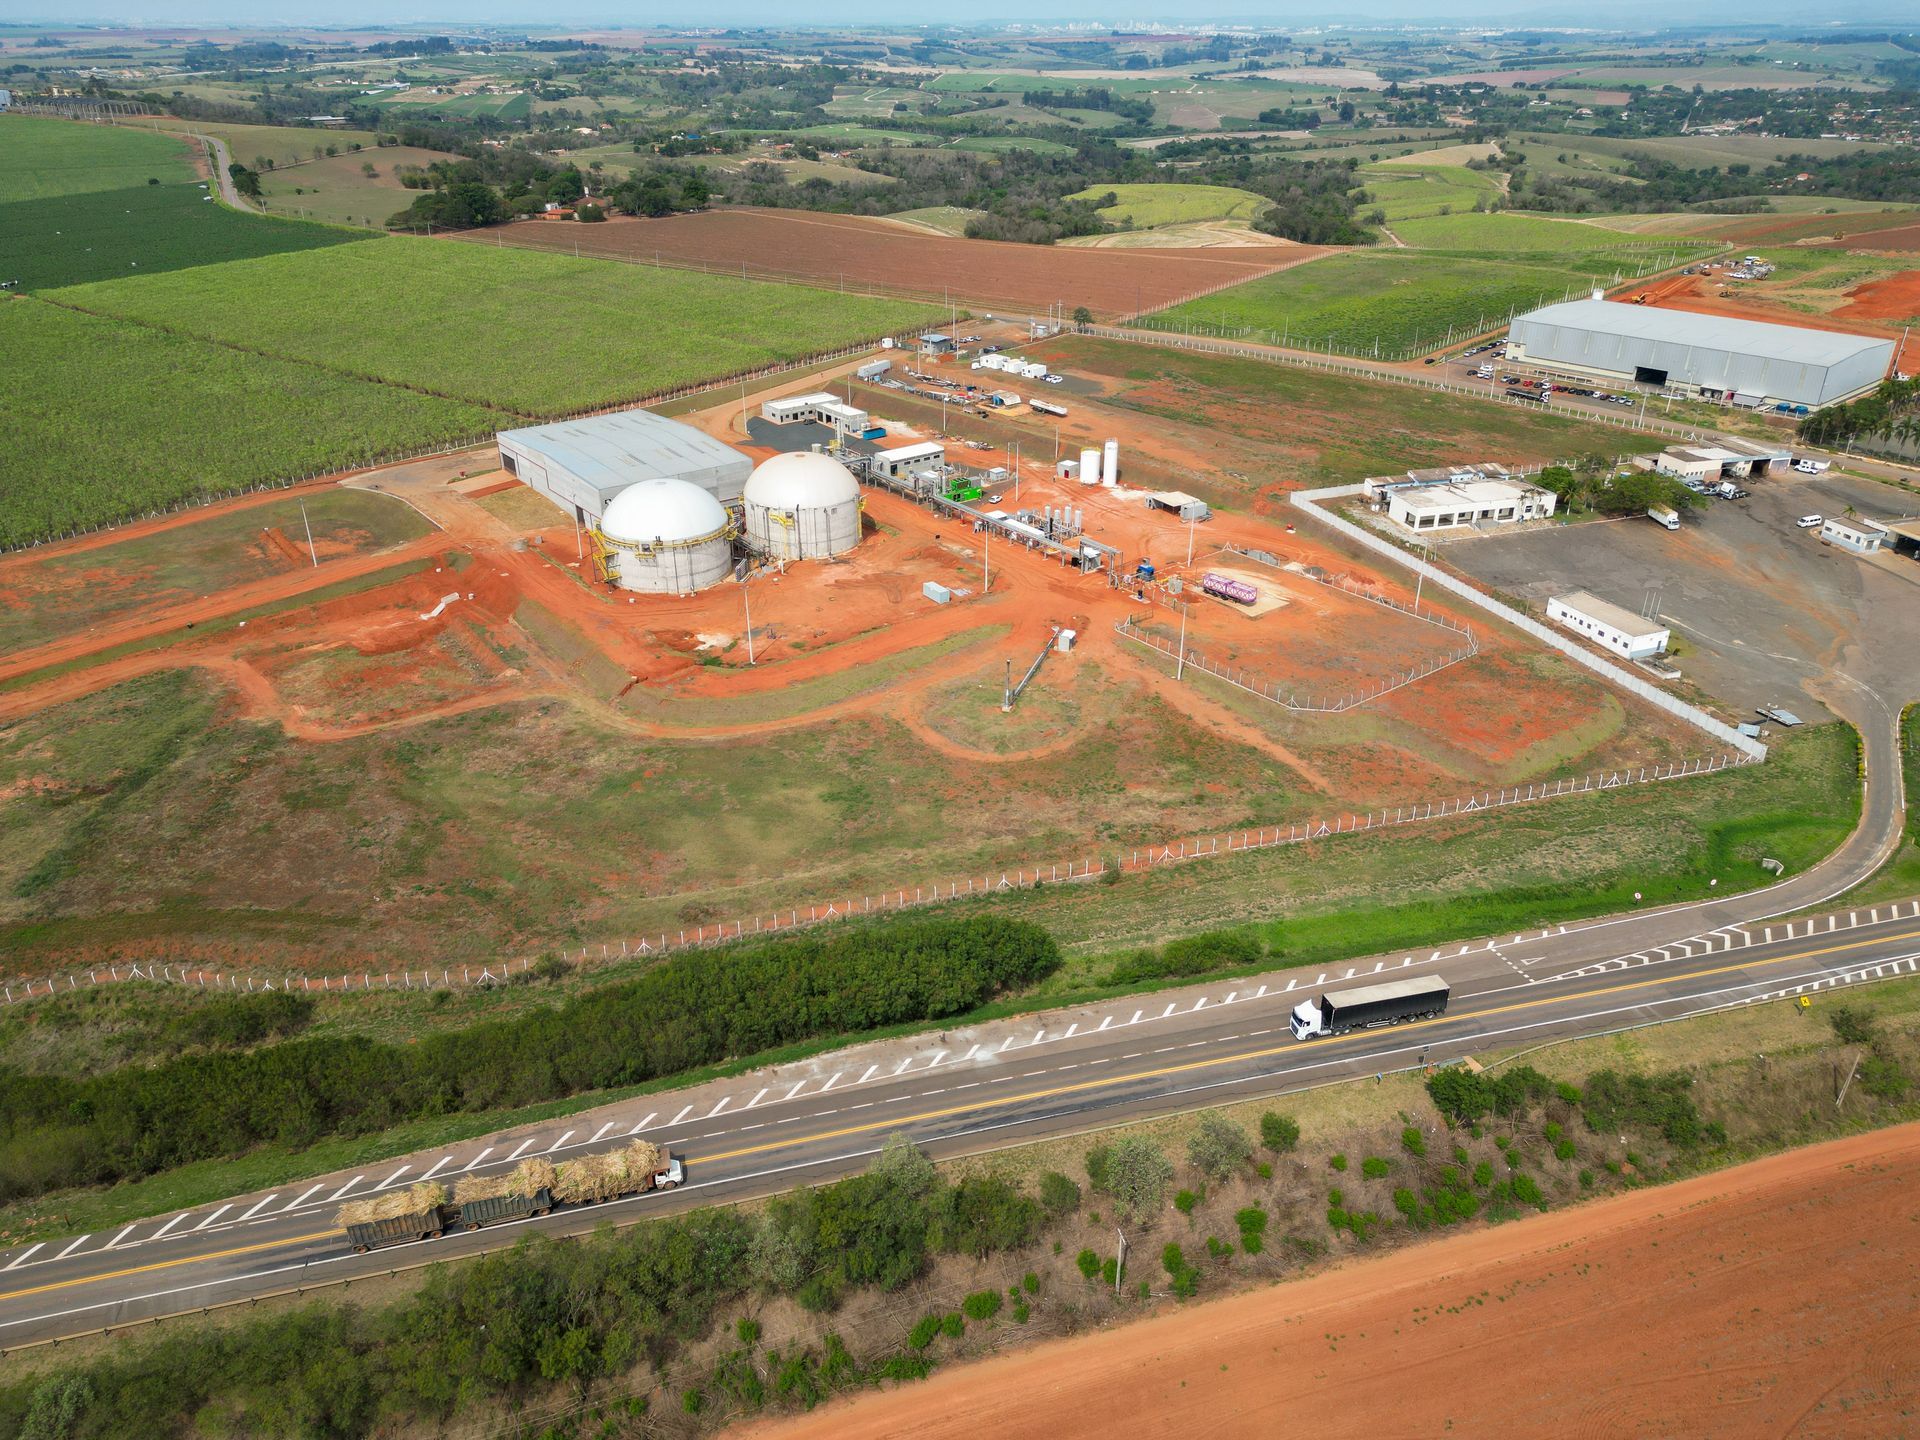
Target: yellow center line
(1004, 1101)
(167, 1264)
(1186, 1067)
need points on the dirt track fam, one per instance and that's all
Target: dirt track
(855, 252)
(1774, 1299)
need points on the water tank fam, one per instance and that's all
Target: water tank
(666, 537)
(802, 506)
(1089, 467)
(1110, 466)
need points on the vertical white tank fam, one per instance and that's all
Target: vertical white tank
(1110, 466)
(1089, 467)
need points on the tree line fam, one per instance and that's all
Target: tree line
(693, 1010)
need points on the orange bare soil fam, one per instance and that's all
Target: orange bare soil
(852, 252)
(1771, 1300)
(1700, 295)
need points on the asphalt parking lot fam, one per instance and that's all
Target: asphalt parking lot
(1762, 612)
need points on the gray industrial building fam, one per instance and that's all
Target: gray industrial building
(582, 464)
(1746, 362)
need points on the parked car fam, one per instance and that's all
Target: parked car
(1809, 522)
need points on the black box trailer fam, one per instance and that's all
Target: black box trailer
(1389, 1003)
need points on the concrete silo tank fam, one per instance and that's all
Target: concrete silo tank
(664, 537)
(1110, 465)
(802, 506)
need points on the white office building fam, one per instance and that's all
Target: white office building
(1608, 625)
(823, 408)
(1863, 537)
(1424, 507)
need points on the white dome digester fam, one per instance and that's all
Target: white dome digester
(665, 537)
(802, 506)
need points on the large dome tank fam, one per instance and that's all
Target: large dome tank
(802, 506)
(666, 537)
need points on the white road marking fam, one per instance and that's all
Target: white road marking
(796, 1090)
(258, 1206)
(73, 1247)
(443, 1160)
(518, 1148)
(565, 1136)
(687, 1109)
(897, 1070)
(164, 1228)
(936, 1059)
(122, 1235)
(291, 1205)
(836, 1078)
(224, 1208)
(478, 1158)
(649, 1120)
(601, 1131)
(1106, 1022)
(391, 1178)
(22, 1257)
(868, 1076)
(762, 1093)
(725, 1100)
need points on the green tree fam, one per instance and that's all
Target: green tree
(1218, 1147)
(1138, 1174)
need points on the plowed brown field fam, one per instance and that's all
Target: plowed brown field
(1774, 1299)
(854, 253)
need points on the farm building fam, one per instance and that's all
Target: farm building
(821, 409)
(1609, 625)
(664, 537)
(802, 506)
(1445, 505)
(581, 465)
(1747, 362)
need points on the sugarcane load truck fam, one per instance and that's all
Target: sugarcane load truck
(1394, 1002)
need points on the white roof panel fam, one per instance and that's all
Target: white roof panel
(1715, 332)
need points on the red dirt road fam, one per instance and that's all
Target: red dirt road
(1771, 1300)
(1695, 293)
(854, 252)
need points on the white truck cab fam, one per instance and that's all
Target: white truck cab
(1306, 1020)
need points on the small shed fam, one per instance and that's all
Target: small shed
(1187, 507)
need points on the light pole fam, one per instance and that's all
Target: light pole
(1192, 520)
(1180, 665)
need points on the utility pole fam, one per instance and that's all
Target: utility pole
(986, 559)
(1191, 522)
(1180, 665)
(312, 553)
(1119, 1259)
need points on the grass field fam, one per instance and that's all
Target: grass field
(113, 420)
(1406, 192)
(1146, 207)
(283, 145)
(339, 191)
(141, 233)
(54, 595)
(996, 144)
(41, 158)
(1513, 234)
(1337, 429)
(1695, 152)
(1402, 300)
(947, 219)
(575, 330)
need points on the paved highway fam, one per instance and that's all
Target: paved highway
(997, 1085)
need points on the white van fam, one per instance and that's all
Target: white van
(1812, 467)
(1809, 522)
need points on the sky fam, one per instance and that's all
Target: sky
(454, 13)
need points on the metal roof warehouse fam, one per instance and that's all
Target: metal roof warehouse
(582, 464)
(1747, 361)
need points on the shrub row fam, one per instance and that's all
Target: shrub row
(508, 1325)
(693, 1010)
